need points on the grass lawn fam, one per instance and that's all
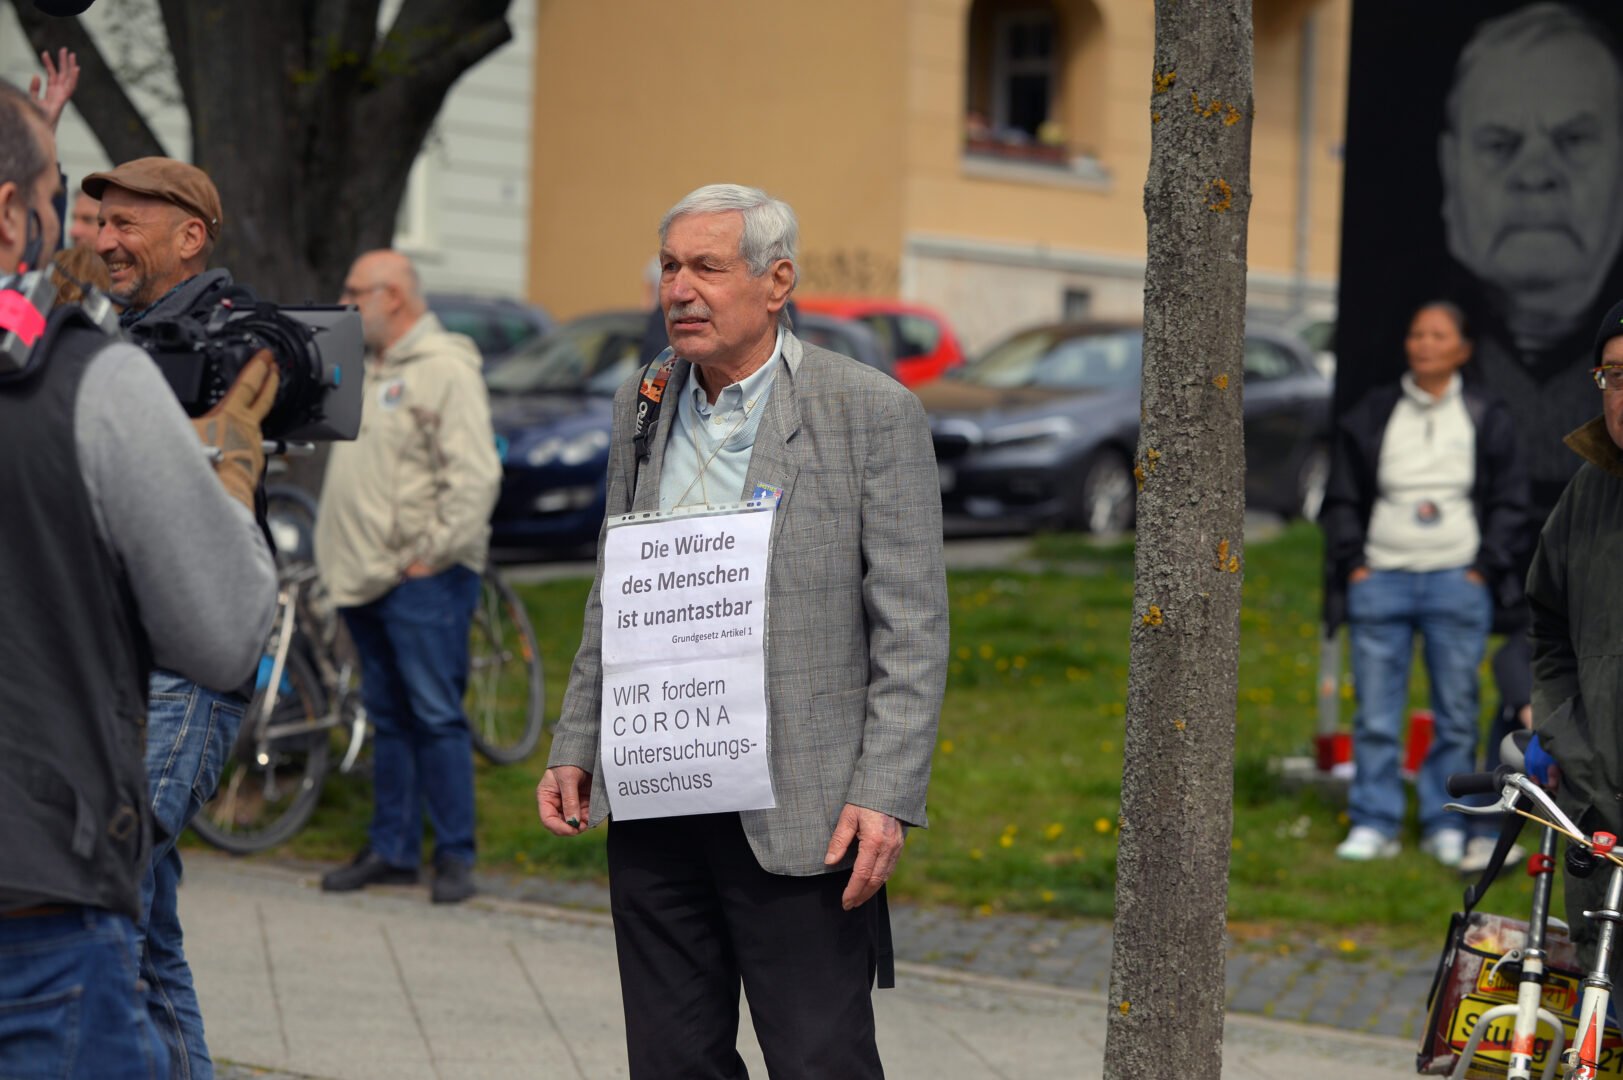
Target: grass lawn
(1027, 775)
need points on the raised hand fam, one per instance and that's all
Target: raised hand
(61, 80)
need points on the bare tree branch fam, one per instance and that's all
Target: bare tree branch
(117, 124)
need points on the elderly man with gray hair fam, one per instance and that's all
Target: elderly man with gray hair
(754, 703)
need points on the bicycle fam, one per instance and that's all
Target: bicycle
(1521, 798)
(307, 699)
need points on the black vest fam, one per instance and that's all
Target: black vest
(74, 820)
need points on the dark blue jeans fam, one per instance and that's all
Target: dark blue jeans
(1452, 615)
(70, 1005)
(413, 646)
(190, 730)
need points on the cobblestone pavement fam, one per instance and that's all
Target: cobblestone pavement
(1305, 981)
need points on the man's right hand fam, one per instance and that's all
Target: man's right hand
(232, 427)
(564, 798)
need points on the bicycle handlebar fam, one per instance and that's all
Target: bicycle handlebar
(1513, 786)
(1477, 783)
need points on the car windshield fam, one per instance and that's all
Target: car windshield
(1054, 359)
(562, 361)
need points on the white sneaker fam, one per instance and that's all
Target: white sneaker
(1447, 846)
(1479, 849)
(1364, 843)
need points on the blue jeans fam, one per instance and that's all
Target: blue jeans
(413, 647)
(190, 730)
(1452, 615)
(70, 1005)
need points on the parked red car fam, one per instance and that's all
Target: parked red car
(918, 337)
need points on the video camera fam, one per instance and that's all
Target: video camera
(202, 353)
(317, 350)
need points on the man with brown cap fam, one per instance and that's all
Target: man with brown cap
(158, 223)
(159, 220)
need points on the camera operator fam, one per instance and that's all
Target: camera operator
(157, 225)
(122, 548)
(159, 219)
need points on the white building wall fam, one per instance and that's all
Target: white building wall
(465, 218)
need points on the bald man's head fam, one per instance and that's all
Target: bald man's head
(384, 285)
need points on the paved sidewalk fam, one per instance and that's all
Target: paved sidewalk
(295, 984)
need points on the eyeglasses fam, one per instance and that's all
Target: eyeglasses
(353, 293)
(1608, 376)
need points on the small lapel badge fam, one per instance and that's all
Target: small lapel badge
(767, 491)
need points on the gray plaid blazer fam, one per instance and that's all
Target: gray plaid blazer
(856, 646)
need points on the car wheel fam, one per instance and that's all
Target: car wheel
(1312, 478)
(1107, 496)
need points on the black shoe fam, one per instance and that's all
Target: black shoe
(367, 869)
(453, 881)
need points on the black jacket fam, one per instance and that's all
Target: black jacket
(1577, 634)
(1498, 495)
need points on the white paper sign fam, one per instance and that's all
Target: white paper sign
(684, 662)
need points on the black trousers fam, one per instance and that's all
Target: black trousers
(694, 914)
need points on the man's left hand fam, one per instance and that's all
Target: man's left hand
(61, 79)
(419, 568)
(879, 844)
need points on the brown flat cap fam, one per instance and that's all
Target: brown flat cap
(187, 186)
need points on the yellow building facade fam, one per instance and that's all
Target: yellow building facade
(986, 157)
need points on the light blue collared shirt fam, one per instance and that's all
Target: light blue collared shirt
(708, 455)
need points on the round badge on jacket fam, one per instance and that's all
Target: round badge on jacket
(1427, 512)
(390, 394)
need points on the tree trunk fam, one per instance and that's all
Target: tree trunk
(1166, 981)
(306, 118)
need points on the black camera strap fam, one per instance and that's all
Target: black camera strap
(63, 318)
(650, 395)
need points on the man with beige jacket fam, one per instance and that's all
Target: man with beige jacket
(401, 541)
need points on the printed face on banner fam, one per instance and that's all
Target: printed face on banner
(1530, 168)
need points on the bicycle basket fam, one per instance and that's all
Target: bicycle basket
(1466, 985)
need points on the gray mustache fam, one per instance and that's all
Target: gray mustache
(694, 310)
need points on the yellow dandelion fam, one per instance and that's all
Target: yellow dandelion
(1048, 896)
(977, 854)
(1054, 831)
(1102, 826)
(1019, 661)
(984, 909)
(1006, 840)
(1347, 945)
(987, 652)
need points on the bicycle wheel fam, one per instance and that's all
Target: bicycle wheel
(504, 697)
(263, 800)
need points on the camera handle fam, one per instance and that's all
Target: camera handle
(272, 448)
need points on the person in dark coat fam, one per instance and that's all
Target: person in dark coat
(1577, 633)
